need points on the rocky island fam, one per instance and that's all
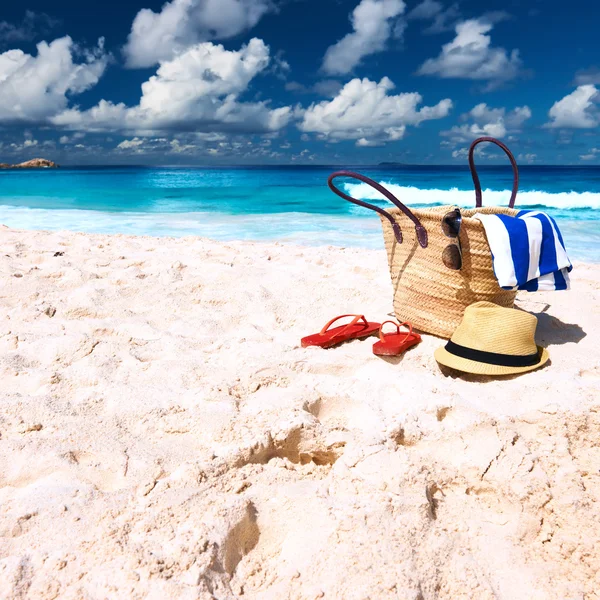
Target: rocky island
(36, 163)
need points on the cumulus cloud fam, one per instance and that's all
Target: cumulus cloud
(156, 37)
(196, 91)
(470, 55)
(482, 120)
(210, 145)
(529, 158)
(364, 111)
(35, 88)
(591, 155)
(65, 139)
(577, 110)
(373, 22)
(131, 144)
(481, 152)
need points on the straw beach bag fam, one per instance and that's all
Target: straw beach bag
(430, 295)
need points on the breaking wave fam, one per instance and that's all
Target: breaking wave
(413, 196)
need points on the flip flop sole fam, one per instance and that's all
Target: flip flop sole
(388, 348)
(332, 337)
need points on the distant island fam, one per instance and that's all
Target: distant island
(36, 163)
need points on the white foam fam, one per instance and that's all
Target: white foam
(363, 229)
(412, 196)
(295, 227)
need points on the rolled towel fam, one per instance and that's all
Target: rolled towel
(528, 251)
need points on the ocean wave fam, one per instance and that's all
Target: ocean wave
(360, 229)
(295, 227)
(413, 196)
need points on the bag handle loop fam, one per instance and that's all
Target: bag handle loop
(478, 198)
(420, 230)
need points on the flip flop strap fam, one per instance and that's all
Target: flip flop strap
(382, 337)
(354, 321)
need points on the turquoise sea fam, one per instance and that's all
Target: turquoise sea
(288, 204)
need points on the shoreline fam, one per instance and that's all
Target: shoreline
(162, 432)
(342, 232)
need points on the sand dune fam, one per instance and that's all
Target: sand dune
(163, 435)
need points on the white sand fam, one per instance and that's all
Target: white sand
(163, 435)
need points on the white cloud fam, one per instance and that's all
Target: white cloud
(528, 158)
(463, 153)
(303, 156)
(196, 91)
(178, 148)
(591, 155)
(365, 143)
(364, 111)
(471, 56)
(160, 145)
(156, 37)
(485, 121)
(129, 144)
(373, 21)
(34, 88)
(460, 153)
(65, 139)
(234, 148)
(578, 110)
(28, 143)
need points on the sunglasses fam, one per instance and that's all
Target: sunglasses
(452, 254)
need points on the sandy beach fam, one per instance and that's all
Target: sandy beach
(164, 435)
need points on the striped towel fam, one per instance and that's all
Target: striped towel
(528, 251)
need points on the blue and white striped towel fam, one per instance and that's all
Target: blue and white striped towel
(528, 251)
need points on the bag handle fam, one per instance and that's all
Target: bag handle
(513, 162)
(420, 230)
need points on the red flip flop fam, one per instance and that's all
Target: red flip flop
(331, 337)
(393, 344)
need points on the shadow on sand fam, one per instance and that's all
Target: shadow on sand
(554, 332)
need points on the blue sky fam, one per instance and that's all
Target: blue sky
(299, 81)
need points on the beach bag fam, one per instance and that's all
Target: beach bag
(427, 293)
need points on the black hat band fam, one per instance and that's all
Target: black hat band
(492, 358)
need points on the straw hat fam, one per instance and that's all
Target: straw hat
(493, 340)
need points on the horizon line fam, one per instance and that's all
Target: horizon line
(383, 164)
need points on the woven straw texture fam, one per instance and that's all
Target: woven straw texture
(490, 328)
(428, 294)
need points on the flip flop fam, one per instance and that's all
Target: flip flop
(393, 344)
(331, 337)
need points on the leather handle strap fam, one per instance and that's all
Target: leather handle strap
(420, 230)
(513, 162)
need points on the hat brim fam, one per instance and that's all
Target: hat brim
(478, 368)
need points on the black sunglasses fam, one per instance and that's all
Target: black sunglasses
(452, 254)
